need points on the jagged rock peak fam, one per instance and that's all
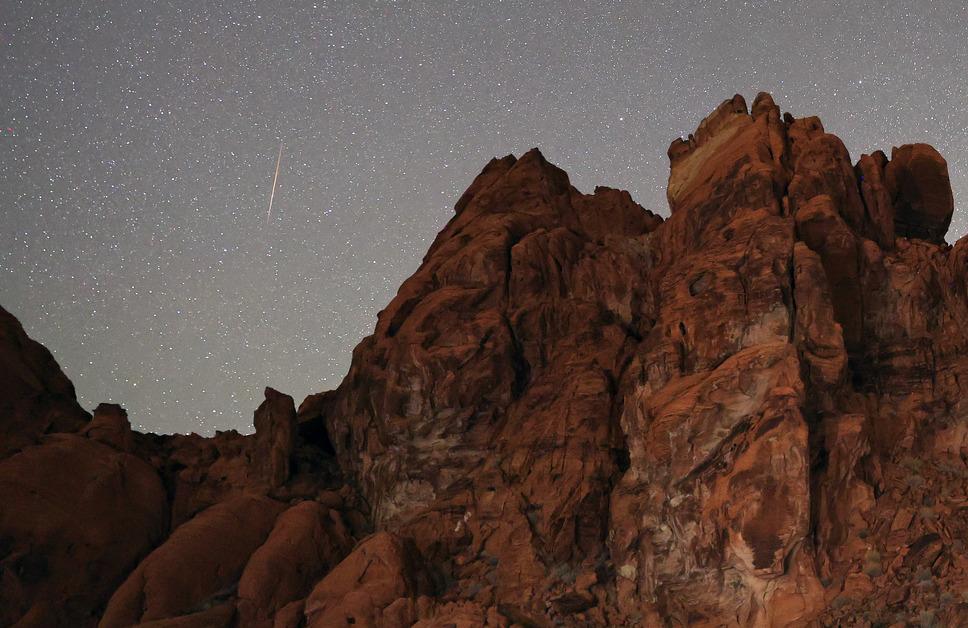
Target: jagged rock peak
(491, 172)
(725, 115)
(110, 426)
(276, 430)
(908, 196)
(573, 413)
(763, 105)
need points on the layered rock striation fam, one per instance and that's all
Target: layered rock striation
(752, 413)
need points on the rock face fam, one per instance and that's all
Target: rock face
(917, 181)
(375, 585)
(275, 434)
(307, 541)
(752, 413)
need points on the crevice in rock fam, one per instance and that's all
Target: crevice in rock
(714, 456)
(519, 364)
(401, 315)
(314, 433)
(790, 296)
(818, 459)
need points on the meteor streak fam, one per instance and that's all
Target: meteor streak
(272, 194)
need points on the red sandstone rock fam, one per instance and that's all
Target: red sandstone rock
(275, 433)
(306, 542)
(75, 517)
(201, 560)
(877, 199)
(376, 585)
(575, 413)
(205, 471)
(917, 181)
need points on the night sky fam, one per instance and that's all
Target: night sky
(140, 142)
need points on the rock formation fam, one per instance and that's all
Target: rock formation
(752, 413)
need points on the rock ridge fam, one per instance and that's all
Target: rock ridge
(574, 413)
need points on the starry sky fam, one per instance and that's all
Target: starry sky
(140, 140)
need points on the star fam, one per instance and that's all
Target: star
(133, 166)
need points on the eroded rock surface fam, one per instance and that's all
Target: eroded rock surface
(712, 439)
(574, 413)
(378, 584)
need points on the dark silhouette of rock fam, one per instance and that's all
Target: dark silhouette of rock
(917, 181)
(36, 398)
(573, 413)
(75, 517)
(110, 426)
(275, 434)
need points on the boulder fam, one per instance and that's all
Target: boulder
(306, 541)
(917, 182)
(376, 585)
(197, 567)
(76, 516)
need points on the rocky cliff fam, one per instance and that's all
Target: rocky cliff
(752, 413)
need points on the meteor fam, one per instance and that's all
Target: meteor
(272, 194)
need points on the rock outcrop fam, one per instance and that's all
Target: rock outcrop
(75, 517)
(36, 398)
(916, 179)
(275, 433)
(306, 542)
(203, 559)
(752, 413)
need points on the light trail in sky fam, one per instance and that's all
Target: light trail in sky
(275, 178)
